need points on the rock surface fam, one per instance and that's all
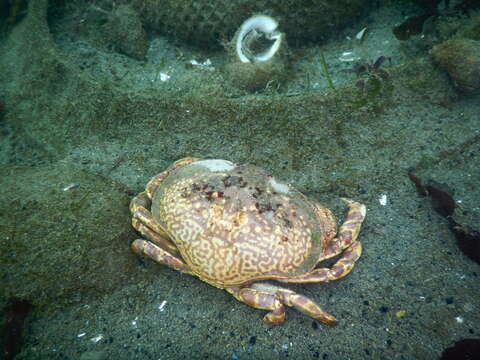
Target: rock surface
(461, 59)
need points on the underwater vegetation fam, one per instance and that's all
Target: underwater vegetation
(373, 80)
(326, 71)
(11, 11)
(414, 25)
(371, 73)
(468, 239)
(466, 349)
(11, 337)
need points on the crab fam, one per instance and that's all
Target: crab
(237, 228)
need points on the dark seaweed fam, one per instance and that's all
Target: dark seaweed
(466, 349)
(11, 332)
(412, 26)
(468, 239)
(442, 202)
(467, 5)
(418, 184)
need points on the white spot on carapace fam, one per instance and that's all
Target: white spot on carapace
(279, 187)
(216, 164)
(363, 210)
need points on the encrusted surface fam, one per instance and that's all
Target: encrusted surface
(206, 23)
(233, 226)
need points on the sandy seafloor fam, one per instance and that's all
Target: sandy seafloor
(107, 123)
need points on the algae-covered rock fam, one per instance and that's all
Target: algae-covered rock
(253, 77)
(461, 59)
(64, 235)
(258, 55)
(207, 22)
(125, 32)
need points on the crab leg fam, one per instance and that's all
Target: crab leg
(138, 208)
(341, 268)
(143, 222)
(154, 237)
(156, 180)
(349, 230)
(347, 239)
(269, 297)
(159, 255)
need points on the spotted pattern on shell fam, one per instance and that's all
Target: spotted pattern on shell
(232, 226)
(236, 227)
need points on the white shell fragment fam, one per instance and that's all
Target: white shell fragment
(383, 200)
(134, 322)
(348, 56)
(71, 186)
(96, 339)
(206, 65)
(161, 307)
(252, 29)
(164, 77)
(361, 34)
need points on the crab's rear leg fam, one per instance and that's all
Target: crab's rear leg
(159, 255)
(138, 209)
(144, 223)
(349, 230)
(270, 297)
(338, 270)
(346, 242)
(158, 179)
